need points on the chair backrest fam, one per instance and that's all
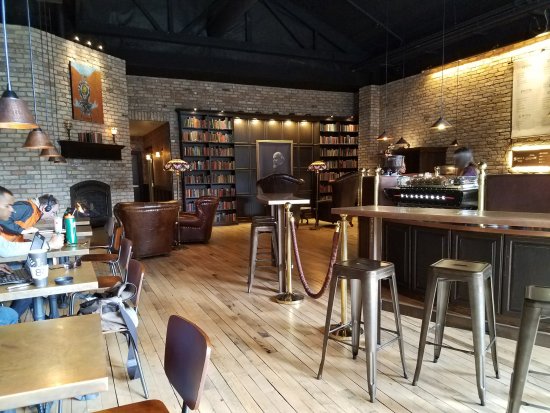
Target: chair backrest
(117, 239)
(186, 356)
(136, 271)
(344, 190)
(279, 184)
(124, 255)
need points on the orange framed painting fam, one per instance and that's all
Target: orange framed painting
(87, 96)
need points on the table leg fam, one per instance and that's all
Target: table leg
(54, 311)
(280, 247)
(38, 309)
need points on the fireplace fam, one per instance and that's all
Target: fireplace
(93, 200)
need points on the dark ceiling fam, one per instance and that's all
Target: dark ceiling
(320, 44)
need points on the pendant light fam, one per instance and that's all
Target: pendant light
(442, 123)
(37, 138)
(14, 113)
(384, 136)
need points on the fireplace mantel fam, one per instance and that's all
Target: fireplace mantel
(86, 150)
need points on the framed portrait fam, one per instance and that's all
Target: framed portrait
(86, 93)
(273, 157)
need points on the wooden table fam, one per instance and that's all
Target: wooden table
(51, 360)
(66, 251)
(85, 279)
(278, 201)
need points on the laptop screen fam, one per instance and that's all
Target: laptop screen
(37, 243)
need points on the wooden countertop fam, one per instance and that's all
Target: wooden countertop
(51, 360)
(452, 216)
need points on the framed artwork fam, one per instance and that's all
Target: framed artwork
(86, 93)
(273, 157)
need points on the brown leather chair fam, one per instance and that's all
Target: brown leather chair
(197, 226)
(186, 355)
(344, 194)
(150, 225)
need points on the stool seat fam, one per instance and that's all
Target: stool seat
(478, 275)
(261, 225)
(146, 406)
(537, 293)
(364, 275)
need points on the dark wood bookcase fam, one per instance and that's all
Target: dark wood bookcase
(207, 143)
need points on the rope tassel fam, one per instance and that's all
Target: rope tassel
(334, 254)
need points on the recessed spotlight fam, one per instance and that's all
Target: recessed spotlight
(76, 39)
(195, 109)
(88, 42)
(100, 47)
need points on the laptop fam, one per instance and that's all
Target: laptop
(23, 275)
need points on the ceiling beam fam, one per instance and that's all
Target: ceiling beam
(363, 11)
(283, 24)
(461, 31)
(116, 32)
(223, 18)
(147, 15)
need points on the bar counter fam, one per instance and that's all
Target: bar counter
(517, 244)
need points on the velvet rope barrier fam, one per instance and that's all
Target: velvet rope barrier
(335, 244)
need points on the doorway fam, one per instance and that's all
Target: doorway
(150, 141)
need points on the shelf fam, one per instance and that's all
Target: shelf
(206, 143)
(338, 144)
(207, 129)
(86, 150)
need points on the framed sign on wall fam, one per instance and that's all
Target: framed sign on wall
(86, 93)
(273, 157)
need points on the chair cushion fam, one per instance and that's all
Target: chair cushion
(99, 257)
(189, 220)
(146, 406)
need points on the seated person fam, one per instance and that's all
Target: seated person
(25, 214)
(464, 162)
(13, 249)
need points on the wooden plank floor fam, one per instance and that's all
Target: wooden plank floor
(265, 355)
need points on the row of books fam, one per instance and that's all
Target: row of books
(325, 188)
(214, 165)
(342, 163)
(330, 176)
(329, 152)
(225, 218)
(334, 127)
(207, 151)
(217, 123)
(222, 206)
(338, 140)
(212, 179)
(219, 192)
(197, 136)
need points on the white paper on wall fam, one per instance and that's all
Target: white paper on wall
(531, 96)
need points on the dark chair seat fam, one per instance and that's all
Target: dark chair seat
(197, 226)
(190, 220)
(146, 406)
(99, 258)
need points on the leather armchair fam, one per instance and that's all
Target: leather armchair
(150, 226)
(344, 194)
(197, 226)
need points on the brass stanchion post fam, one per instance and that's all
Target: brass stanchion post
(288, 297)
(482, 166)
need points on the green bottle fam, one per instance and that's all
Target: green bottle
(70, 229)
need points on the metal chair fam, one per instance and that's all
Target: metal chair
(186, 356)
(536, 306)
(261, 225)
(369, 273)
(113, 248)
(480, 286)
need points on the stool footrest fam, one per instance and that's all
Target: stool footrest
(537, 406)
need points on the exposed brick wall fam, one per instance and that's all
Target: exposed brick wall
(21, 169)
(481, 116)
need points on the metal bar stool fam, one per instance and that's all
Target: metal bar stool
(261, 225)
(480, 288)
(369, 273)
(536, 306)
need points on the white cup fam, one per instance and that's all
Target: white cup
(58, 224)
(40, 275)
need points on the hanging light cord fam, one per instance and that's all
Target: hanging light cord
(55, 120)
(442, 102)
(47, 94)
(6, 43)
(386, 66)
(32, 60)
(403, 98)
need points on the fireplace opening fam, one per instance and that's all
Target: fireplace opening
(92, 199)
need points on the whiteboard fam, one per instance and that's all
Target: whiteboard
(531, 96)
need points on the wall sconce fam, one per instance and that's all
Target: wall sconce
(157, 154)
(114, 132)
(148, 157)
(68, 126)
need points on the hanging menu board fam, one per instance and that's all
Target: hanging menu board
(532, 157)
(531, 96)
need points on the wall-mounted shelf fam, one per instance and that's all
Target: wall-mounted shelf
(86, 150)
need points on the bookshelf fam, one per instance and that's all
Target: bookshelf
(206, 142)
(338, 146)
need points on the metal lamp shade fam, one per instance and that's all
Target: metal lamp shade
(37, 139)
(14, 113)
(441, 124)
(402, 141)
(49, 152)
(383, 137)
(455, 143)
(58, 159)
(317, 166)
(177, 165)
